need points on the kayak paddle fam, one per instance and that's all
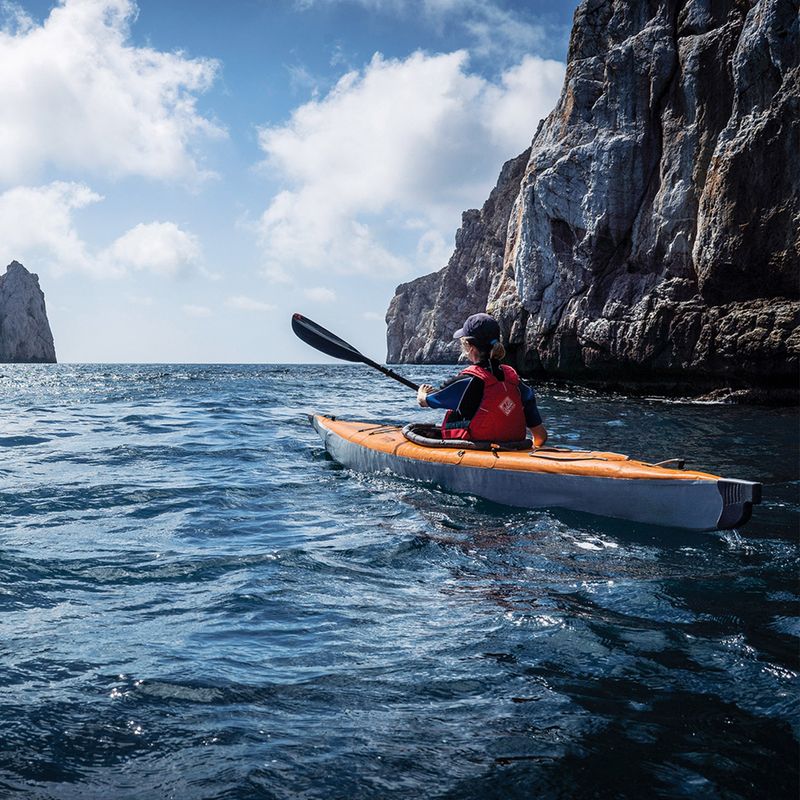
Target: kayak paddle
(330, 344)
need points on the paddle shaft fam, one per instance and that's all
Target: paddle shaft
(391, 374)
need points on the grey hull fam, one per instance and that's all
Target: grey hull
(692, 504)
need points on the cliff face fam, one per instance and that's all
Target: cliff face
(655, 236)
(25, 335)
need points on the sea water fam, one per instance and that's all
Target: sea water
(196, 602)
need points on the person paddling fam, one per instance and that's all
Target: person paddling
(487, 401)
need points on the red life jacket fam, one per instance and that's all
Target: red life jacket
(500, 417)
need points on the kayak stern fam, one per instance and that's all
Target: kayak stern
(738, 499)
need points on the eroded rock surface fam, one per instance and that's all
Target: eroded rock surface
(655, 236)
(25, 335)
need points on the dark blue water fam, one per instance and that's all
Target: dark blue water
(195, 602)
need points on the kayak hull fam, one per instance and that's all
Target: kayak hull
(607, 484)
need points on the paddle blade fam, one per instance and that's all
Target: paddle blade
(323, 340)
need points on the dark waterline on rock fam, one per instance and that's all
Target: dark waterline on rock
(197, 603)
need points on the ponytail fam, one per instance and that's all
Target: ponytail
(498, 352)
(494, 352)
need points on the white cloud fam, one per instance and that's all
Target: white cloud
(196, 311)
(499, 32)
(301, 79)
(79, 96)
(402, 144)
(526, 93)
(141, 300)
(433, 249)
(37, 226)
(15, 18)
(320, 294)
(243, 303)
(494, 31)
(373, 316)
(158, 247)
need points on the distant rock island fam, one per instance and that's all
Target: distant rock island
(25, 335)
(650, 238)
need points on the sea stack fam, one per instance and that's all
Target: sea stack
(25, 335)
(653, 240)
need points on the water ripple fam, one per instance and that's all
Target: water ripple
(198, 603)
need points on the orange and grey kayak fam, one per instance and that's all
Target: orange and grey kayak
(608, 484)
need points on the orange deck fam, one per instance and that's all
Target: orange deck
(390, 439)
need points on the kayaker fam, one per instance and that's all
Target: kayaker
(487, 401)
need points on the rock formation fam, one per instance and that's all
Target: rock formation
(654, 237)
(25, 335)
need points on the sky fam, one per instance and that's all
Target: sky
(184, 175)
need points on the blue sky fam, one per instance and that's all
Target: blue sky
(184, 175)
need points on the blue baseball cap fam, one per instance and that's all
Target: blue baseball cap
(481, 327)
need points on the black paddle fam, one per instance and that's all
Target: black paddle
(330, 344)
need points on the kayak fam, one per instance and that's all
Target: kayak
(608, 484)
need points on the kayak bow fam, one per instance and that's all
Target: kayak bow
(608, 484)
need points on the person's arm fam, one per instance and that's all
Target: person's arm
(533, 419)
(539, 435)
(462, 393)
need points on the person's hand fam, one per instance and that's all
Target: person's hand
(422, 394)
(539, 435)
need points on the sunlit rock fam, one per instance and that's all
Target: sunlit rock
(654, 238)
(25, 335)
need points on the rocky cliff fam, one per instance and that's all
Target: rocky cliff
(654, 233)
(25, 335)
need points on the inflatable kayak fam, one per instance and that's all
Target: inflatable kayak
(608, 484)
